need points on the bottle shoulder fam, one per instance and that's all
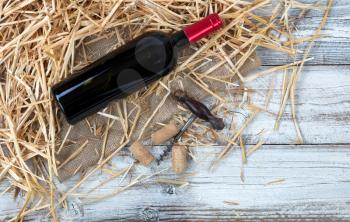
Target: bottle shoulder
(154, 51)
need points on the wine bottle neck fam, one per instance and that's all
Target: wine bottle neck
(203, 27)
(197, 31)
(179, 39)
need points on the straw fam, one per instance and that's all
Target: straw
(43, 42)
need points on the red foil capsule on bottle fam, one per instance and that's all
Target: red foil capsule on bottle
(203, 27)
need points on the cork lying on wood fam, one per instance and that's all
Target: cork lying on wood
(179, 158)
(141, 153)
(165, 133)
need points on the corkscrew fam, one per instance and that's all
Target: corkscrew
(199, 110)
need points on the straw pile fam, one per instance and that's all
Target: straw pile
(38, 42)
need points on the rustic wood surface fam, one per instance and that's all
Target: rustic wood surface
(329, 50)
(283, 180)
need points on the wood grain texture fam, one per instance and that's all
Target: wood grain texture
(314, 179)
(333, 49)
(317, 177)
(312, 183)
(323, 108)
(334, 46)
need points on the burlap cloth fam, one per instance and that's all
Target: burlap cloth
(91, 132)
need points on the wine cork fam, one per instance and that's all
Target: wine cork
(165, 133)
(141, 153)
(179, 159)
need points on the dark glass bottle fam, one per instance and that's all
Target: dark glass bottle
(125, 70)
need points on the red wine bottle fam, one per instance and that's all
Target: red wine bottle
(127, 69)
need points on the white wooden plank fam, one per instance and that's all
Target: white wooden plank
(339, 8)
(333, 48)
(323, 107)
(315, 187)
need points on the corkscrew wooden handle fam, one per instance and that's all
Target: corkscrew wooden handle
(199, 109)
